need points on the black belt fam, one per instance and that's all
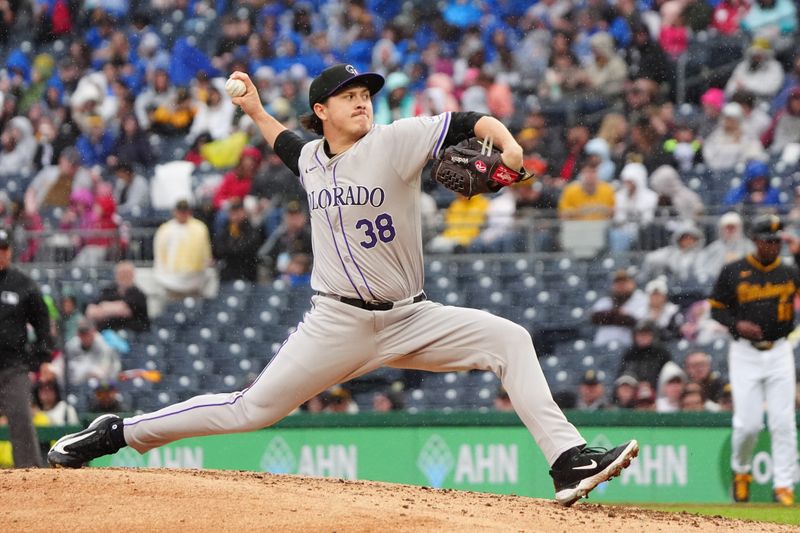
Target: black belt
(369, 306)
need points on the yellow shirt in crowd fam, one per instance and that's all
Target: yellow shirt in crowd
(576, 204)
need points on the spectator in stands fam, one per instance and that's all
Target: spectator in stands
(645, 397)
(340, 400)
(699, 327)
(563, 78)
(96, 144)
(274, 186)
(634, 208)
(182, 252)
(541, 144)
(728, 16)
(624, 396)
(646, 59)
(646, 356)
(105, 397)
(18, 147)
(389, 400)
(101, 226)
(666, 315)
(396, 101)
(755, 193)
(131, 190)
(731, 244)
(69, 318)
(759, 72)
(499, 233)
(646, 146)
(671, 382)
(712, 102)
(587, 198)
(674, 34)
(774, 19)
(121, 305)
(755, 121)
(215, 115)
(159, 93)
(692, 399)
(501, 401)
(785, 126)
(463, 220)
(598, 155)
(291, 237)
(614, 130)
(607, 73)
(793, 218)
(131, 145)
(90, 356)
(685, 148)
(53, 185)
(237, 182)
(576, 138)
(45, 137)
(174, 118)
(698, 369)
(236, 245)
(726, 399)
(675, 199)
(47, 400)
(682, 259)
(790, 81)
(641, 99)
(615, 315)
(591, 392)
(728, 145)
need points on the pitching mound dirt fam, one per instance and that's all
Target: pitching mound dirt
(99, 499)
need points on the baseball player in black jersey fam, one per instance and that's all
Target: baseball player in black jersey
(363, 185)
(754, 298)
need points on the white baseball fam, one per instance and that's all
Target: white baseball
(235, 87)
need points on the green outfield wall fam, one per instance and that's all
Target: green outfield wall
(684, 457)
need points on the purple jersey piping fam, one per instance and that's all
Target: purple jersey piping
(439, 142)
(346, 242)
(335, 244)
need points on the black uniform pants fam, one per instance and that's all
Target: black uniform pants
(15, 403)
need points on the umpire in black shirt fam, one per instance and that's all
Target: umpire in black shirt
(21, 304)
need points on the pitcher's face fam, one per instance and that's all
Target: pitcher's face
(348, 112)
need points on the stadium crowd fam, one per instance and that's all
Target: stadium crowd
(652, 127)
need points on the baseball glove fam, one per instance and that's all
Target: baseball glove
(473, 167)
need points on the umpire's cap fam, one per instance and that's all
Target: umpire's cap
(338, 77)
(766, 228)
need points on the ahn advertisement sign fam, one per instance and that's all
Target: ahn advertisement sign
(675, 464)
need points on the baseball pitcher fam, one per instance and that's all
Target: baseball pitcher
(369, 310)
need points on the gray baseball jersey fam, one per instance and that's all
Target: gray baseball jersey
(365, 218)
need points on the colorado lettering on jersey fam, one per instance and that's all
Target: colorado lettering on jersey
(338, 196)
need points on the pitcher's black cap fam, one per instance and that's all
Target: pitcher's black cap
(335, 78)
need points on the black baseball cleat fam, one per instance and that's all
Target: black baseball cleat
(575, 476)
(102, 437)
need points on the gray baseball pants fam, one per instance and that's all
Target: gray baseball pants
(337, 342)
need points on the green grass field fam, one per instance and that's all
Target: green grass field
(762, 512)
